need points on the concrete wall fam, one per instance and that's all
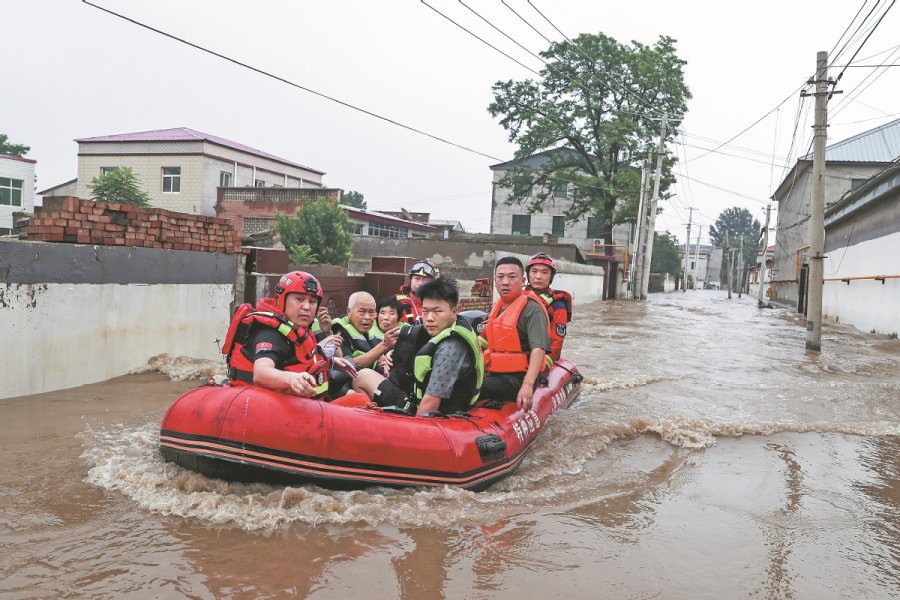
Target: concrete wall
(75, 314)
(22, 169)
(464, 259)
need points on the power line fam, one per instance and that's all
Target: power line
(849, 25)
(877, 23)
(291, 83)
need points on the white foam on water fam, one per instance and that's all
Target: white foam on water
(183, 368)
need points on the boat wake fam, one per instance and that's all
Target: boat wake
(127, 460)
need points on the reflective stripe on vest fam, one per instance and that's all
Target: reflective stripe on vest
(425, 356)
(359, 342)
(410, 313)
(504, 353)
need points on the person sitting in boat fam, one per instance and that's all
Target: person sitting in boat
(408, 298)
(438, 364)
(540, 272)
(272, 346)
(517, 336)
(356, 331)
(388, 315)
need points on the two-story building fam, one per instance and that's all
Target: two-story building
(515, 219)
(848, 166)
(182, 168)
(16, 189)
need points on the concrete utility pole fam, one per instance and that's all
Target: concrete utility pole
(762, 264)
(728, 255)
(817, 210)
(740, 273)
(637, 265)
(697, 254)
(687, 247)
(648, 255)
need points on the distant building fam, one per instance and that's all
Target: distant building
(371, 223)
(753, 279)
(16, 189)
(849, 164)
(69, 188)
(697, 267)
(181, 168)
(551, 222)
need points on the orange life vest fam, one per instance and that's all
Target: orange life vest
(306, 359)
(504, 353)
(559, 312)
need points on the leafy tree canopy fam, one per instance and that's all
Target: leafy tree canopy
(12, 149)
(120, 185)
(354, 199)
(601, 102)
(321, 226)
(737, 222)
(666, 257)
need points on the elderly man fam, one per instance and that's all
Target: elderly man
(517, 334)
(355, 329)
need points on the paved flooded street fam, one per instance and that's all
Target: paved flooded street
(709, 456)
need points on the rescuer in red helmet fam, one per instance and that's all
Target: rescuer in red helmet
(273, 347)
(540, 271)
(410, 304)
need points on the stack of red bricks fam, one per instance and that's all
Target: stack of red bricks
(474, 303)
(73, 220)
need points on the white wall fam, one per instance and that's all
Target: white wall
(61, 335)
(865, 304)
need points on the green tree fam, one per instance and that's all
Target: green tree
(12, 149)
(666, 256)
(737, 222)
(323, 227)
(354, 199)
(599, 102)
(120, 185)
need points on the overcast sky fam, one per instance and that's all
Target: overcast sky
(72, 71)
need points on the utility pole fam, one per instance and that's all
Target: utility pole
(697, 254)
(762, 264)
(648, 255)
(817, 210)
(728, 255)
(687, 248)
(637, 268)
(740, 273)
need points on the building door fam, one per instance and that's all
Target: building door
(801, 288)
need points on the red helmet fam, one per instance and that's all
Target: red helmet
(542, 258)
(426, 268)
(297, 282)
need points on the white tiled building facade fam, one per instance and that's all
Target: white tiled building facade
(180, 169)
(16, 189)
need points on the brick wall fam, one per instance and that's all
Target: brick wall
(73, 220)
(474, 303)
(234, 204)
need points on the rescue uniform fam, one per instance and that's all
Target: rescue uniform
(410, 306)
(559, 313)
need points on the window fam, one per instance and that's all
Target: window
(259, 183)
(359, 229)
(255, 224)
(107, 170)
(559, 226)
(5, 231)
(594, 227)
(855, 183)
(11, 191)
(385, 230)
(561, 191)
(692, 266)
(521, 225)
(224, 179)
(522, 189)
(172, 179)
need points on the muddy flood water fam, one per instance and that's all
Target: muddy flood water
(709, 456)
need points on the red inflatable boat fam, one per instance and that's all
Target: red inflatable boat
(247, 433)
